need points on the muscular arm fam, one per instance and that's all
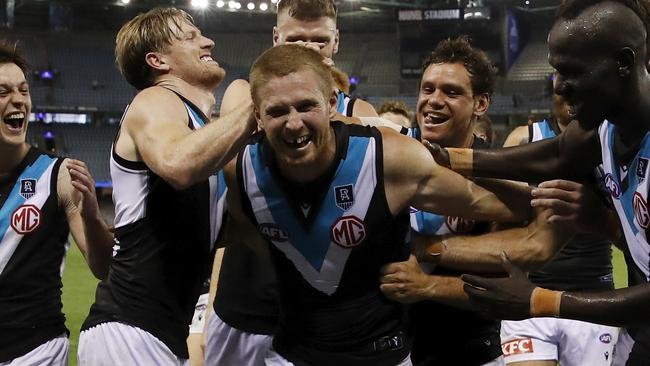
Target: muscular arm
(76, 191)
(573, 154)
(529, 247)
(413, 178)
(156, 122)
(518, 136)
(363, 109)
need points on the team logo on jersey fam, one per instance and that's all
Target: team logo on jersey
(25, 219)
(641, 210)
(344, 196)
(605, 338)
(27, 188)
(612, 186)
(517, 346)
(273, 232)
(348, 231)
(459, 225)
(642, 168)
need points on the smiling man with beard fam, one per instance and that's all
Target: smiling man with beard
(331, 201)
(43, 198)
(163, 164)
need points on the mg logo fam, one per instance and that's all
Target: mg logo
(517, 346)
(348, 231)
(459, 225)
(612, 186)
(25, 219)
(640, 210)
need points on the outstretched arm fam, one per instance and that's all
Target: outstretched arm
(76, 189)
(515, 297)
(413, 178)
(572, 154)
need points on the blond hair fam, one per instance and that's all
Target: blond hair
(287, 59)
(152, 31)
(308, 9)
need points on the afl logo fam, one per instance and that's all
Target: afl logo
(25, 219)
(605, 338)
(612, 186)
(273, 232)
(348, 231)
(459, 225)
(641, 210)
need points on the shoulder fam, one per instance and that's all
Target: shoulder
(518, 136)
(156, 105)
(236, 92)
(363, 109)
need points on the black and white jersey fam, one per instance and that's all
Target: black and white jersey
(585, 262)
(33, 241)
(328, 241)
(345, 105)
(161, 256)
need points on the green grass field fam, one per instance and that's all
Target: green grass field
(78, 294)
(79, 291)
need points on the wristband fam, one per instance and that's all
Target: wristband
(545, 302)
(461, 160)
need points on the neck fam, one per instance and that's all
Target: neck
(199, 95)
(12, 156)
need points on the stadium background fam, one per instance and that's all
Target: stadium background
(79, 95)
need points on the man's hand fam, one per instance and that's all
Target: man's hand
(83, 183)
(440, 155)
(405, 281)
(504, 297)
(572, 204)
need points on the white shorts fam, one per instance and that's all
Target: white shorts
(623, 348)
(198, 319)
(51, 353)
(571, 342)
(113, 343)
(274, 359)
(226, 345)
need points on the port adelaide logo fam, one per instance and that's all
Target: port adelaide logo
(27, 188)
(344, 196)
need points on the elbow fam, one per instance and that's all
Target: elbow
(177, 174)
(537, 254)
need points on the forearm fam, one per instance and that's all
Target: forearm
(528, 247)
(531, 162)
(208, 149)
(623, 307)
(447, 290)
(99, 243)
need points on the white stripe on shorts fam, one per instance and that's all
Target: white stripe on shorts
(230, 346)
(51, 353)
(111, 344)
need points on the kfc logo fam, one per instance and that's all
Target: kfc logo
(517, 347)
(641, 210)
(612, 186)
(348, 231)
(459, 225)
(25, 219)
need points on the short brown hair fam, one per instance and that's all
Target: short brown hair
(308, 9)
(287, 59)
(9, 55)
(458, 50)
(148, 32)
(394, 106)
